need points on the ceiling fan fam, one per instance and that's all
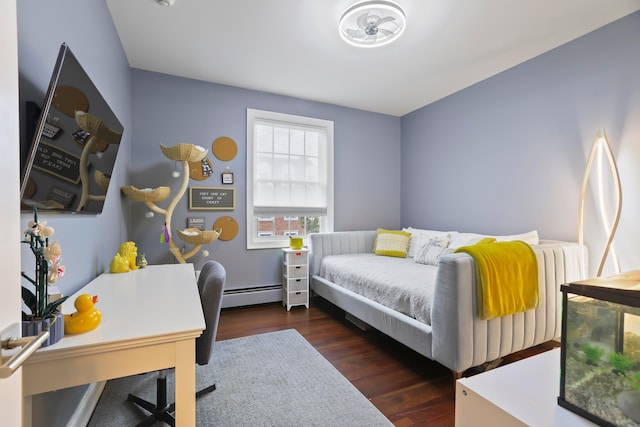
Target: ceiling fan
(372, 23)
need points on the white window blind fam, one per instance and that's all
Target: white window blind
(289, 167)
(290, 177)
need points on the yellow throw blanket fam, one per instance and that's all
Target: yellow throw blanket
(506, 277)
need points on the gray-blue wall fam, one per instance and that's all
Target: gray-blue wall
(168, 110)
(88, 241)
(508, 154)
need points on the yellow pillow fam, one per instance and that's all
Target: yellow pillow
(392, 243)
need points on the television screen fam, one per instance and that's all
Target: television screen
(74, 145)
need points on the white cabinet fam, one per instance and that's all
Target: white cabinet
(295, 278)
(523, 393)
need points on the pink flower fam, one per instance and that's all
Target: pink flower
(56, 271)
(38, 229)
(53, 252)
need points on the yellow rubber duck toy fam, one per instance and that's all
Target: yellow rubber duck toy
(86, 319)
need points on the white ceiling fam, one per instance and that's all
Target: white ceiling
(292, 47)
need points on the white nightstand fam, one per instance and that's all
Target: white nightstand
(295, 278)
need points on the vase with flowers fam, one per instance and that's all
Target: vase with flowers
(42, 314)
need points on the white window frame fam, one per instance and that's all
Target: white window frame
(253, 240)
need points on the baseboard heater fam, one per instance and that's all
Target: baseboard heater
(251, 296)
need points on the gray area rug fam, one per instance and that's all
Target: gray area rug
(272, 379)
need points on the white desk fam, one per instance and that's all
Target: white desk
(150, 320)
(523, 393)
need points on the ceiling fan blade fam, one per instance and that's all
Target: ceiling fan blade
(362, 20)
(371, 39)
(356, 34)
(385, 32)
(385, 19)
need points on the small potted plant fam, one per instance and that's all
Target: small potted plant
(43, 314)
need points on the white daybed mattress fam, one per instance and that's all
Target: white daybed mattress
(397, 283)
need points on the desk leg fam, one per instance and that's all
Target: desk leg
(27, 411)
(185, 397)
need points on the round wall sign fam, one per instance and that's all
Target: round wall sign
(200, 170)
(224, 148)
(229, 227)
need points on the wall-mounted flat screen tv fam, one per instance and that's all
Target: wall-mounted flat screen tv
(74, 146)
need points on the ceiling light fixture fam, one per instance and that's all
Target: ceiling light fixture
(372, 23)
(165, 3)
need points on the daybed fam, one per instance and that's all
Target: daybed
(442, 324)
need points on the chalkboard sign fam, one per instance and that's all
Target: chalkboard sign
(56, 161)
(207, 198)
(196, 222)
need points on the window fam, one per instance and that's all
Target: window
(289, 177)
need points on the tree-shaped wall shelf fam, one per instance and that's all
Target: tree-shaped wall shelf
(182, 153)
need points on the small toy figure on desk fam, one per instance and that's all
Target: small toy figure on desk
(142, 261)
(125, 260)
(86, 319)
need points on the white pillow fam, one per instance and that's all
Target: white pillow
(420, 237)
(430, 255)
(531, 237)
(465, 239)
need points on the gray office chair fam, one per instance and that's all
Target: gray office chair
(210, 285)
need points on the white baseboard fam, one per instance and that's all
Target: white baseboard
(88, 403)
(252, 296)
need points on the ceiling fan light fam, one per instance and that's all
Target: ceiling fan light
(165, 3)
(372, 23)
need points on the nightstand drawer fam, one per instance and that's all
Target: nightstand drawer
(295, 271)
(294, 285)
(295, 257)
(297, 298)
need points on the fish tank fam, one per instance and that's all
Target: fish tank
(600, 349)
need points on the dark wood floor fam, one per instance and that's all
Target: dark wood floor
(409, 389)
